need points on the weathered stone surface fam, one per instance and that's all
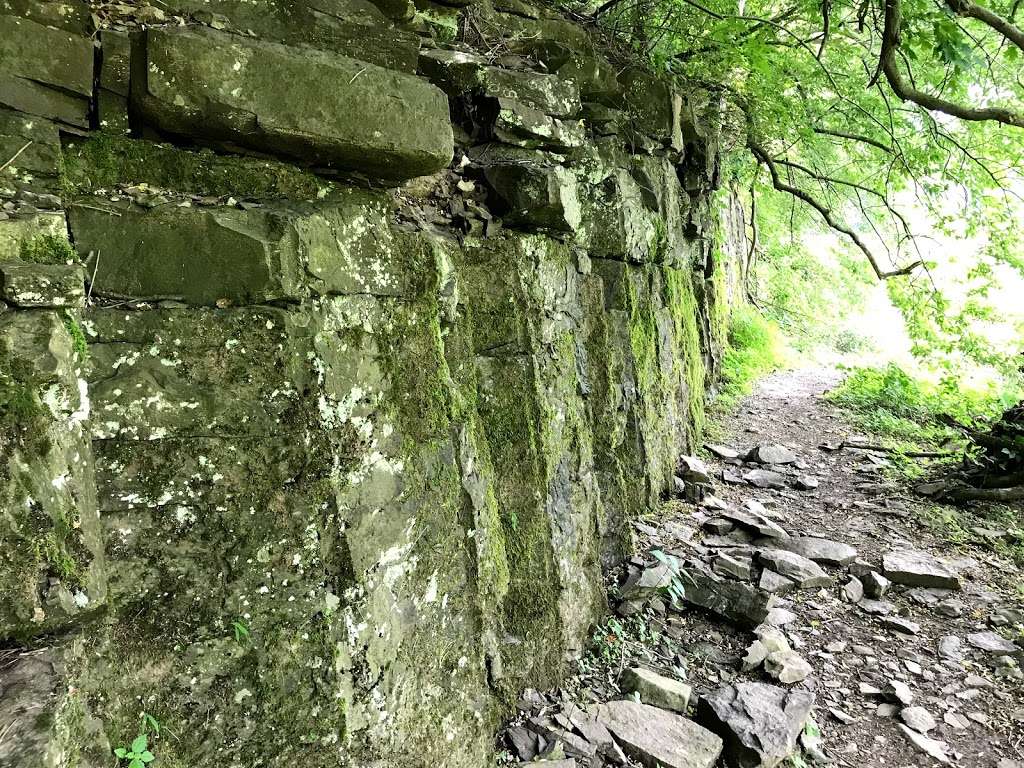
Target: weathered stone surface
(29, 236)
(526, 127)
(537, 195)
(806, 573)
(853, 590)
(875, 585)
(992, 642)
(458, 72)
(31, 696)
(57, 85)
(787, 666)
(918, 718)
(937, 750)
(694, 470)
(765, 478)
(775, 583)
(656, 690)
(770, 453)
(734, 601)
(354, 28)
(819, 550)
(756, 522)
(230, 256)
(656, 738)
(759, 723)
(32, 145)
(42, 285)
(735, 567)
(918, 569)
(371, 119)
(53, 573)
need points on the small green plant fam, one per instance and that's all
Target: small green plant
(137, 755)
(241, 631)
(675, 587)
(78, 341)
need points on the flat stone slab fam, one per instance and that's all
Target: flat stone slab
(755, 522)
(992, 642)
(800, 569)
(759, 723)
(656, 738)
(918, 569)
(321, 108)
(765, 478)
(819, 550)
(771, 454)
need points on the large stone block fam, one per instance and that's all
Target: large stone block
(232, 257)
(45, 71)
(356, 28)
(537, 194)
(317, 107)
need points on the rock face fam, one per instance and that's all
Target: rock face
(318, 456)
(759, 723)
(267, 96)
(656, 738)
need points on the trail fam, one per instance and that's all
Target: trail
(902, 676)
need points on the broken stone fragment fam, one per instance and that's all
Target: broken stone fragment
(694, 470)
(522, 126)
(538, 195)
(806, 573)
(787, 666)
(737, 568)
(765, 478)
(918, 569)
(771, 454)
(656, 690)
(775, 583)
(992, 642)
(759, 723)
(734, 601)
(658, 738)
(818, 549)
(755, 522)
(722, 451)
(899, 624)
(806, 482)
(937, 750)
(875, 585)
(853, 590)
(374, 120)
(42, 285)
(918, 718)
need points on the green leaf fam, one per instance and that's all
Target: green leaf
(136, 763)
(147, 757)
(121, 752)
(140, 743)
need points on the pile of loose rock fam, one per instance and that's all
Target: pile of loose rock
(740, 565)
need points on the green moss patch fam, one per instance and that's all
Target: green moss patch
(104, 161)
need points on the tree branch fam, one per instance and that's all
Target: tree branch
(891, 37)
(761, 154)
(974, 11)
(854, 137)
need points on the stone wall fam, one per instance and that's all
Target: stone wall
(340, 342)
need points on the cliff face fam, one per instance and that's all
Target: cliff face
(378, 325)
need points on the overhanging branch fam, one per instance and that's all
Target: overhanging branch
(907, 91)
(762, 155)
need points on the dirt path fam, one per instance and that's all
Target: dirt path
(861, 657)
(855, 505)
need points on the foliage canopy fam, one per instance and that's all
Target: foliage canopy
(890, 121)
